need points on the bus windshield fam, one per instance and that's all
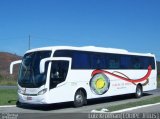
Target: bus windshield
(29, 74)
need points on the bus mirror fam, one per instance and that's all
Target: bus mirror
(42, 64)
(12, 64)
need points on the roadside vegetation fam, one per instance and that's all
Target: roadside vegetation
(134, 104)
(8, 96)
(7, 81)
(158, 80)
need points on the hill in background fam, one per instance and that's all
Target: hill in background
(5, 60)
(158, 67)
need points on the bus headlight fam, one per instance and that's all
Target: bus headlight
(42, 91)
(20, 91)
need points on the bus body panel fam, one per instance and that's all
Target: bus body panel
(81, 78)
(67, 91)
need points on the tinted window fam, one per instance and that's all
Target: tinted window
(114, 62)
(63, 53)
(93, 60)
(59, 70)
(136, 63)
(29, 75)
(139, 62)
(98, 61)
(125, 62)
(80, 60)
(152, 62)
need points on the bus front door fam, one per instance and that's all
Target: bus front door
(59, 71)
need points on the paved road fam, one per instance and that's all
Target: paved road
(8, 87)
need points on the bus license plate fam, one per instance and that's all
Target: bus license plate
(29, 98)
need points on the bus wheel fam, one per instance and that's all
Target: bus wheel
(79, 99)
(139, 91)
(18, 104)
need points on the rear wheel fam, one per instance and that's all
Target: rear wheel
(139, 91)
(79, 99)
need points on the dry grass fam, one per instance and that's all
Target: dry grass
(8, 81)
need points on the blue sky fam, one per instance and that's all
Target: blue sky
(133, 25)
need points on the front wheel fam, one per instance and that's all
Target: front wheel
(139, 91)
(79, 99)
(19, 104)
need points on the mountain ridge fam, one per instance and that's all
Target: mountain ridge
(5, 59)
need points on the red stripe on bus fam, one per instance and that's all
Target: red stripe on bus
(123, 78)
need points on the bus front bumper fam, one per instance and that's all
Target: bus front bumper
(37, 99)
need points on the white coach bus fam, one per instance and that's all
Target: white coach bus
(64, 73)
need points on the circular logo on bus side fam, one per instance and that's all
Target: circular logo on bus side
(99, 84)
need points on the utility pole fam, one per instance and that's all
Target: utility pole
(29, 42)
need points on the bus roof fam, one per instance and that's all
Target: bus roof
(91, 49)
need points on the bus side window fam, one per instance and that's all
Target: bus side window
(152, 62)
(136, 63)
(98, 62)
(80, 60)
(125, 62)
(114, 62)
